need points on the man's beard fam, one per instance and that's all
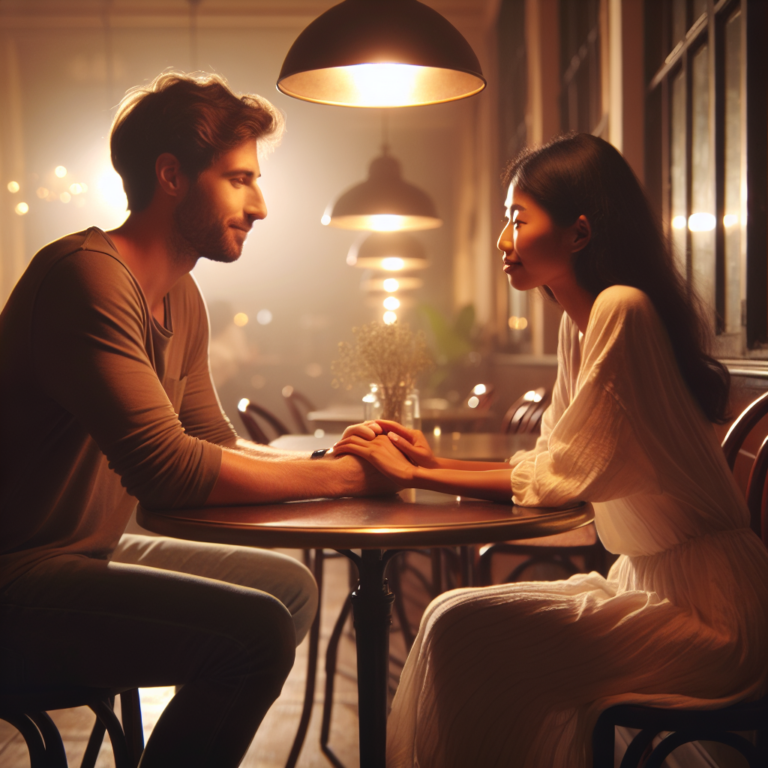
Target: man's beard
(199, 233)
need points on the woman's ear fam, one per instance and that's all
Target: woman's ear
(582, 234)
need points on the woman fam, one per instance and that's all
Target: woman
(516, 675)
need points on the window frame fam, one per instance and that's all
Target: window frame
(709, 29)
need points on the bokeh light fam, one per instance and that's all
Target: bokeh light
(60, 171)
(13, 187)
(389, 318)
(21, 209)
(241, 319)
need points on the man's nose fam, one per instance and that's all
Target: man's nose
(256, 207)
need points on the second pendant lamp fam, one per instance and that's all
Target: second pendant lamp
(384, 202)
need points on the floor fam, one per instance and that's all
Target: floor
(274, 739)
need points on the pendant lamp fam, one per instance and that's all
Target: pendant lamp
(380, 53)
(390, 251)
(384, 202)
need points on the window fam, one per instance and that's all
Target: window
(581, 107)
(706, 155)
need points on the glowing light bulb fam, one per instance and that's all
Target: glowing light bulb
(679, 222)
(325, 220)
(392, 263)
(385, 222)
(389, 318)
(391, 303)
(240, 319)
(391, 285)
(385, 84)
(479, 389)
(243, 404)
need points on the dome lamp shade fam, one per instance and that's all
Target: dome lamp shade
(384, 202)
(388, 251)
(380, 53)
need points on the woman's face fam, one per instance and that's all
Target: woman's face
(536, 251)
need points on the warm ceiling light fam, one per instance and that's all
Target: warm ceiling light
(403, 284)
(380, 53)
(390, 251)
(384, 202)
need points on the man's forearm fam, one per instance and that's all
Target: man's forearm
(248, 479)
(267, 452)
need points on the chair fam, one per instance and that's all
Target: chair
(28, 711)
(250, 413)
(723, 725)
(299, 406)
(524, 417)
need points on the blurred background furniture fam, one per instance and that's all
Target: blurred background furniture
(259, 421)
(27, 710)
(299, 406)
(726, 725)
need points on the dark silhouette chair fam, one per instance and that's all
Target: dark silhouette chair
(299, 406)
(727, 724)
(251, 413)
(524, 417)
(27, 710)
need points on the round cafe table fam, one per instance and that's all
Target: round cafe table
(380, 527)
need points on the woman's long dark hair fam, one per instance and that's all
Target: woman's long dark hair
(581, 174)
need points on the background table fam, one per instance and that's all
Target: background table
(381, 527)
(336, 418)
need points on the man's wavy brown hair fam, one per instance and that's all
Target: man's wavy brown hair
(196, 118)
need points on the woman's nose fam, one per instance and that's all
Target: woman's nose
(505, 243)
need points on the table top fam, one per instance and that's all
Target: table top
(471, 446)
(408, 519)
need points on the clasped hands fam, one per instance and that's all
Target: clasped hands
(395, 451)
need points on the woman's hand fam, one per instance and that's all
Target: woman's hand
(382, 454)
(368, 430)
(411, 442)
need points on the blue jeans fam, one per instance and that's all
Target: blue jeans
(221, 621)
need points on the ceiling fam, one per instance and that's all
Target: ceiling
(459, 11)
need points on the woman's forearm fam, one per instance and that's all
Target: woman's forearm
(492, 484)
(469, 466)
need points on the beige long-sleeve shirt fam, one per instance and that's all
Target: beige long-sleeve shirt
(100, 405)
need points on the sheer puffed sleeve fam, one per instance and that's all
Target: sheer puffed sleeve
(92, 349)
(589, 449)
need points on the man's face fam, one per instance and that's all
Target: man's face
(217, 212)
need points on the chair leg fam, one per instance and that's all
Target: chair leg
(309, 688)
(130, 707)
(94, 745)
(43, 741)
(104, 712)
(330, 674)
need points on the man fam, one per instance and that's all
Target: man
(105, 398)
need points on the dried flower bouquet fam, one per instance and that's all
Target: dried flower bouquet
(390, 356)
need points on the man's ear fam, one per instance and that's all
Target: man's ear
(171, 179)
(582, 234)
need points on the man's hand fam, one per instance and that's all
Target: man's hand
(383, 455)
(411, 442)
(364, 479)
